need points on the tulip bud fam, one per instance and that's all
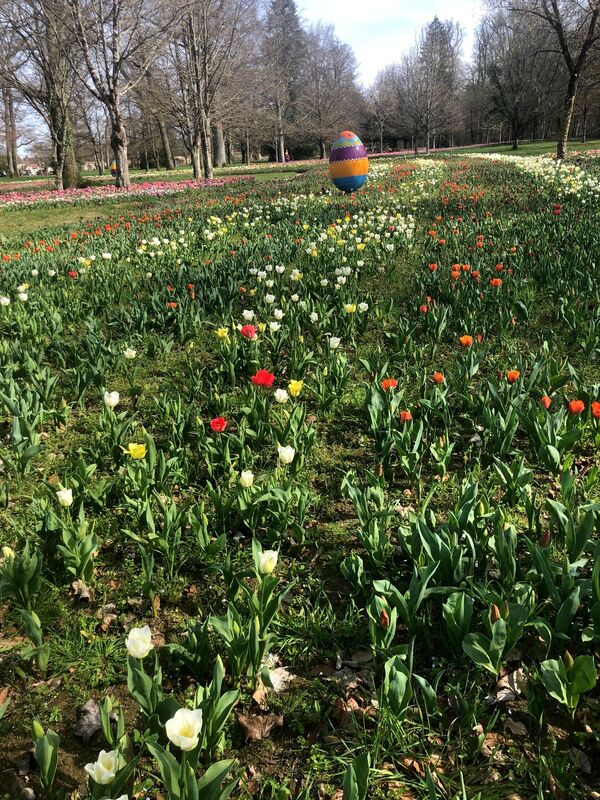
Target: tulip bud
(494, 613)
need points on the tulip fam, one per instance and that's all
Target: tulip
(268, 562)
(274, 326)
(248, 315)
(576, 407)
(23, 296)
(596, 409)
(222, 333)
(513, 375)
(278, 314)
(65, 497)
(104, 769)
(295, 387)
(246, 478)
(314, 317)
(4, 301)
(248, 332)
(466, 340)
(130, 353)
(350, 308)
(139, 642)
(111, 399)
(218, 424)
(8, 553)
(183, 729)
(269, 298)
(286, 454)
(389, 383)
(362, 307)
(136, 451)
(281, 396)
(263, 378)
(405, 416)
(546, 401)
(334, 342)
(438, 377)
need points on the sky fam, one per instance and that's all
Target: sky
(379, 31)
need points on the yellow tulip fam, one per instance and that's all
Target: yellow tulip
(222, 333)
(295, 387)
(134, 450)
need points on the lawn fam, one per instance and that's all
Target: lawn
(300, 491)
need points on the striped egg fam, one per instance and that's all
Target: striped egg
(348, 162)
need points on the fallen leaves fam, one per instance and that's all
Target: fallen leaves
(258, 727)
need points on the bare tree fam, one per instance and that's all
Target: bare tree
(119, 40)
(575, 26)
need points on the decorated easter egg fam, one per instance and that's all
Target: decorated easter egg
(348, 162)
(113, 169)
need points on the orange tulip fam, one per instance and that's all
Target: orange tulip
(576, 407)
(513, 375)
(405, 416)
(466, 340)
(438, 377)
(546, 401)
(389, 383)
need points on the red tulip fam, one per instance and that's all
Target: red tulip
(576, 407)
(263, 378)
(218, 424)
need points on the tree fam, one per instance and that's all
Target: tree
(41, 72)
(283, 56)
(575, 27)
(119, 40)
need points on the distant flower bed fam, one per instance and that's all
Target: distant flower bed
(100, 193)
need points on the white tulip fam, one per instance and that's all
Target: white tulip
(139, 642)
(246, 478)
(106, 256)
(334, 342)
(4, 301)
(314, 317)
(324, 281)
(21, 287)
(269, 284)
(34, 273)
(269, 298)
(130, 353)
(23, 296)
(104, 769)
(261, 274)
(341, 280)
(268, 562)
(253, 270)
(280, 269)
(294, 298)
(281, 396)
(362, 307)
(274, 326)
(248, 315)
(111, 399)
(286, 454)
(183, 729)
(65, 497)
(51, 273)
(278, 313)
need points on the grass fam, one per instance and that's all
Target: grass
(531, 148)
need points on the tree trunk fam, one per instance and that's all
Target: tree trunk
(228, 149)
(166, 144)
(247, 147)
(218, 142)
(10, 133)
(584, 123)
(195, 153)
(565, 125)
(118, 142)
(205, 146)
(321, 149)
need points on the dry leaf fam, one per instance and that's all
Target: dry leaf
(281, 678)
(581, 761)
(321, 670)
(516, 727)
(260, 696)
(81, 591)
(257, 728)
(3, 694)
(509, 687)
(89, 721)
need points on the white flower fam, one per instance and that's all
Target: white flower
(267, 562)
(104, 769)
(341, 280)
(21, 287)
(314, 317)
(261, 275)
(269, 298)
(246, 478)
(130, 353)
(139, 642)
(324, 281)
(4, 301)
(51, 273)
(278, 313)
(183, 729)
(148, 274)
(295, 298)
(106, 256)
(362, 307)
(281, 396)
(111, 399)
(286, 454)
(334, 342)
(346, 271)
(274, 326)
(34, 273)
(269, 283)
(280, 269)
(65, 497)
(253, 270)
(248, 315)
(23, 296)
